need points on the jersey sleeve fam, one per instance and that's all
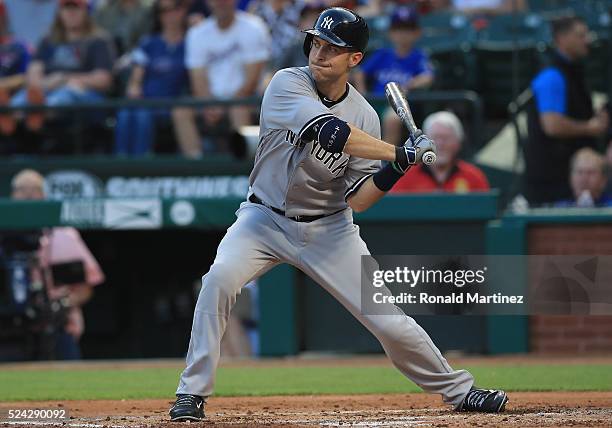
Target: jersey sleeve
(549, 90)
(358, 169)
(290, 102)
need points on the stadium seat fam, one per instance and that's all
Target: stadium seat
(454, 69)
(546, 5)
(522, 29)
(503, 73)
(379, 27)
(443, 32)
(598, 15)
(448, 39)
(599, 66)
(509, 52)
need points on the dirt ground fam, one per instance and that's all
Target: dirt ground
(550, 409)
(533, 409)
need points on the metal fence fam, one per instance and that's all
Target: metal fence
(81, 117)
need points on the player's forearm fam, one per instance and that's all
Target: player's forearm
(367, 195)
(364, 146)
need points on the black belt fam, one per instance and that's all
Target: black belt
(300, 218)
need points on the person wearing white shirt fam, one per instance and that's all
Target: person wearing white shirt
(225, 56)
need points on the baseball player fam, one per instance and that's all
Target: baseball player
(318, 160)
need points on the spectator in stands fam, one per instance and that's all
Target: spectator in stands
(61, 245)
(229, 65)
(158, 71)
(401, 63)
(72, 65)
(561, 118)
(197, 12)
(449, 173)
(294, 56)
(282, 18)
(488, 7)
(588, 178)
(31, 20)
(126, 21)
(14, 58)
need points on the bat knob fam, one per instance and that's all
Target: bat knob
(429, 157)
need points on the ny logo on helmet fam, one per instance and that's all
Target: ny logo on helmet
(327, 22)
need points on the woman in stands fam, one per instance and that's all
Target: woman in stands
(72, 64)
(158, 71)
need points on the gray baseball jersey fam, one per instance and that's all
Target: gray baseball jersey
(293, 174)
(307, 180)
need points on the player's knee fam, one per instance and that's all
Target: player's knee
(392, 329)
(220, 282)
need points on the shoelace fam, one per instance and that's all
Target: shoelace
(185, 400)
(477, 397)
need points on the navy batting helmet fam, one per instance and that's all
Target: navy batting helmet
(340, 27)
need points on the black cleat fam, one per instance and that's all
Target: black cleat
(484, 400)
(187, 408)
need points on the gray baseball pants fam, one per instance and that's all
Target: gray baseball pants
(328, 250)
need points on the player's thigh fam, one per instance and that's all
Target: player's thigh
(253, 244)
(341, 272)
(334, 260)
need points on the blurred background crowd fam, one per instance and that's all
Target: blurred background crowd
(539, 58)
(514, 93)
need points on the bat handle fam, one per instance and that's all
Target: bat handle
(414, 134)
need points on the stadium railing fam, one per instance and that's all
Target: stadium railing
(79, 118)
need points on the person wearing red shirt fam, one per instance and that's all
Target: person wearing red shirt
(448, 174)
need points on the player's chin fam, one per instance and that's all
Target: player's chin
(321, 73)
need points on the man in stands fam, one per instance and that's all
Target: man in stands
(225, 56)
(449, 173)
(588, 178)
(561, 118)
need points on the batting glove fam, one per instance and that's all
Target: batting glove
(414, 148)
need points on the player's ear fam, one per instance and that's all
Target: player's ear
(355, 59)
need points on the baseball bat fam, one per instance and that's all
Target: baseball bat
(399, 104)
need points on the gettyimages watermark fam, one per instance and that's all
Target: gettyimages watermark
(487, 285)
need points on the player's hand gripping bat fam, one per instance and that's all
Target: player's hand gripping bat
(424, 145)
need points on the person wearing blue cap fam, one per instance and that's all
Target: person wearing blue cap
(401, 62)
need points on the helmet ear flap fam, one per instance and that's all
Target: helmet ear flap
(307, 44)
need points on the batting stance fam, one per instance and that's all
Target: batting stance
(318, 160)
